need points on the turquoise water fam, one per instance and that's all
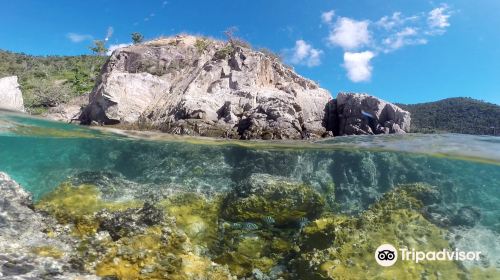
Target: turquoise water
(351, 173)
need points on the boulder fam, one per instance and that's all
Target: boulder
(356, 113)
(11, 97)
(67, 112)
(26, 250)
(197, 86)
(265, 197)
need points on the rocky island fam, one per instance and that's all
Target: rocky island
(199, 86)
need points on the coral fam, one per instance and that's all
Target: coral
(261, 196)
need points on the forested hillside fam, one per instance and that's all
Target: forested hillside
(458, 115)
(52, 80)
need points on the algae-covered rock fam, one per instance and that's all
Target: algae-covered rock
(132, 239)
(245, 251)
(129, 221)
(196, 215)
(78, 205)
(321, 233)
(28, 249)
(395, 219)
(262, 196)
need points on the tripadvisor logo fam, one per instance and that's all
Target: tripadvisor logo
(387, 255)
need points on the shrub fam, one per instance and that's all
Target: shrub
(201, 44)
(225, 52)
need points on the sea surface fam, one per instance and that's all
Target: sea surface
(355, 177)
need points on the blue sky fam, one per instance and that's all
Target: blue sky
(405, 51)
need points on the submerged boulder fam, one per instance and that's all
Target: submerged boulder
(343, 247)
(262, 197)
(467, 216)
(11, 97)
(27, 247)
(200, 86)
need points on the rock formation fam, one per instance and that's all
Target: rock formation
(196, 86)
(67, 112)
(190, 85)
(26, 250)
(11, 97)
(354, 113)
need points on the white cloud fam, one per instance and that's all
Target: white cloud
(438, 18)
(112, 48)
(358, 65)
(303, 53)
(362, 40)
(78, 38)
(350, 34)
(164, 4)
(407, 36)
(327, 17)
(314, 58)
(395, 20)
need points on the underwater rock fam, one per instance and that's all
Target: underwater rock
(478, 238)
(28, 249)
(196, 216)
(467, 216)
(128, 239)
(261, 220)
(78, 205)
(336, 247)
(130, 221)
(262, 196)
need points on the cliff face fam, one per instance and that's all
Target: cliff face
(195, 86)
(189, 85)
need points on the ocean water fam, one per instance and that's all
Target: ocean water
(355, 177)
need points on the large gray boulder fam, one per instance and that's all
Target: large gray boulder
(356, 113)
(11, 97)
(190, 85)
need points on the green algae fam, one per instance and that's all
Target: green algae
(346, 245)
(160, 251)
(286, 202)
(48, 251)
(195, 215)
(77, 205)
(202, 238)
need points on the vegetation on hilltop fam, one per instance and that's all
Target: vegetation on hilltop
(457, 115)
(51, 80)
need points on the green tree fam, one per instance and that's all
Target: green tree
(137, 38)
(99, 47)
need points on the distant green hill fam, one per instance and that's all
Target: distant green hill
(49, 81)
(458, 115)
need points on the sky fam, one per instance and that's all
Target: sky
(405, 51)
